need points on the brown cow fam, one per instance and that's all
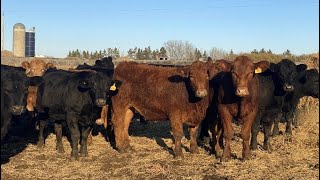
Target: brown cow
(36, 67)
(179, 94)
(238, 98)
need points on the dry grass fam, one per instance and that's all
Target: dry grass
(295, 157)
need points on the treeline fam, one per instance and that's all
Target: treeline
(182, 51)
(114, 53)
(146, 53)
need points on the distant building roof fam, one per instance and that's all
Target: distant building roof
(19, 26)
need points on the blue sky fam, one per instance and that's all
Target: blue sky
(240, 25)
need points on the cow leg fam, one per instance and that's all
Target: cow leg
(276, 131)
(42, 125)
(89, 141)
(177, 131)
(245, 134)
(85, 131)
(219, 145)
(267, 134)
(228, 133)
(127, 120)
(255, 131)
(75, 135)
(58, 131)
(289, 121)
(193, 130)
(121, 126)
(204, 131)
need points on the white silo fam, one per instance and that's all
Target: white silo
(19, 40)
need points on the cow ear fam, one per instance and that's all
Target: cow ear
(183, 72)
(223, 65)
(303, 79)
(218, 66)
(50, 65)
(25, 65)
(115, 85)
(261, 66)
(98, 63)
(274, 67)
(84, 84)
(301, 67)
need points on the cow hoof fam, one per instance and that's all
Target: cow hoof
(178, 157)
(246, 158)
(194, 150)
(267, 147)
(253, 147)
(60, 149)
(40, 144)
(225, 159)
(72, 158)
(83, 154)
(121, 151)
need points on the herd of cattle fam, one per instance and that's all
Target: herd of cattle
(210, 95)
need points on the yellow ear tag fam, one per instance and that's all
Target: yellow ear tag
(258, 70)
(113, 87)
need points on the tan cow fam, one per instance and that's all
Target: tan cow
(36, 67)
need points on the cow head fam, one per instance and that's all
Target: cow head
(243, 71)
(310, 83)
(218, 66)
(198, 78)
(36, 67)
(285, 74)
(14, 88)
(97, 84)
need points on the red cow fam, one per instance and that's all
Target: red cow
(238, 98)
(178, 94)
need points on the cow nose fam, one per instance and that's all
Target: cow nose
(242, 91)
(201, 94)
(288, 87)
(100, 102)
(18, 110)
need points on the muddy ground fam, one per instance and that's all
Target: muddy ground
(295, 157)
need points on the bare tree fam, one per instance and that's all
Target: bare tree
(216, 53)
(180, 50)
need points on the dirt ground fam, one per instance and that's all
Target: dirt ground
(295, 157)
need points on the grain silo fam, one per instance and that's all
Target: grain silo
(30, 42)
(19, 35)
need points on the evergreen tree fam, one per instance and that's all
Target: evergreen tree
(269, 51)
(163, 52)
(197, 54)
(262, 51)
(254, 51)
(116, 53)
(287, 53)
(231, 52)
(205, 55)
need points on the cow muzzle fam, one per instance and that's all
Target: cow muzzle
(18, 110)
(100, 102)
(201, 94)
(242, 92)
(288, 87)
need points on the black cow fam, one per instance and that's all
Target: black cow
(106, 62)
(14, 89)
(275, 84)
(307, 85)
(73, 97)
